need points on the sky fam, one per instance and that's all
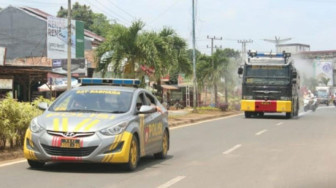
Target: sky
(310, 22)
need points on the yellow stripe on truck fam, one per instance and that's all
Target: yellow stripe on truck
(284, 106)
(247, 105)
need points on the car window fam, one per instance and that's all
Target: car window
(141, 100)
(150, 99)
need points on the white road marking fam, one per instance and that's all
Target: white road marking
(232, 149)
(261, 132)
(12, 163)
(191, 124)
(172, 182)
(280, 123)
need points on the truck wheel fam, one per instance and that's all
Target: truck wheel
(296, 112)
(289, 115)
(247, 114)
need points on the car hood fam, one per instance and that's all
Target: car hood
(79, 122)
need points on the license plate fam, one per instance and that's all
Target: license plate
(265, 103)
(70, 143)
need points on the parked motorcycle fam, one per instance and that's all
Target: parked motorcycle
(310, 103)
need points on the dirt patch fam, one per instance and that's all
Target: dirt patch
(195, 117)
(9, 154)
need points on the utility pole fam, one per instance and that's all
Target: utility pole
(243, 52)
(213, 98)
(194, 56)
(277, 41)
(69, 47)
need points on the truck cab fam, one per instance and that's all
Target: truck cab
(270, 84)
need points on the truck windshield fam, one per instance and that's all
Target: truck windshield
(273, 75)
(322, 93)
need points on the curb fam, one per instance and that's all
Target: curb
(182, 122)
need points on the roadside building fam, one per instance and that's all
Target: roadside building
(293, 48)
(322, 64)
(26, 57)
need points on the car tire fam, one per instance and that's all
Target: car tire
(133, 160)
(35, 164)
(165, 146)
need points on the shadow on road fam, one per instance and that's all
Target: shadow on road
(144, 163)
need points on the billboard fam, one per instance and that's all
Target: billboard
(324, 69)
(78, 66)
(57, 38)
(2, 56)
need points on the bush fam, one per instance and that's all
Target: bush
(223, 106)
(15, 118)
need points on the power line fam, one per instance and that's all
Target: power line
(164, 12)
(130, 15)
(213, 65)
(119, 17)
(243, 52)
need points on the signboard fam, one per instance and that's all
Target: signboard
(324, 69)
(2, 56)
(6, 83)
(78, 66)
(57, 38)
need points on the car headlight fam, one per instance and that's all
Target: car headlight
(35, 127)
(114, 130)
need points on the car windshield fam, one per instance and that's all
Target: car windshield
(267, 75)
(105, 101)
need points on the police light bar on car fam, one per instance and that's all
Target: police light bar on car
(270, 55)
(110, 81)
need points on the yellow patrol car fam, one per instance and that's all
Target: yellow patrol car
(101, 123)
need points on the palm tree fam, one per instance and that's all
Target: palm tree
(211, 70)
(123, 43)
(130, 48)
(324, 80)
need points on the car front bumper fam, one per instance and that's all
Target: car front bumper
(96, 148)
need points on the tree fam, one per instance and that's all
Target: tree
(78, 12)
(132, 48)
(100, 25)
(123, 43)
(95, 22)
(211, 70)
(324, 80)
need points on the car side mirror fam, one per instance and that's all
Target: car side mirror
(146, 109)
(240, 70)
(43, 106)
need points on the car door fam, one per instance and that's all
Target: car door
(146, 120)
(155, 127)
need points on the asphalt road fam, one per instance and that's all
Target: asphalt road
(228, 152)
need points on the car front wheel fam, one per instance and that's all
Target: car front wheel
(133, 155)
